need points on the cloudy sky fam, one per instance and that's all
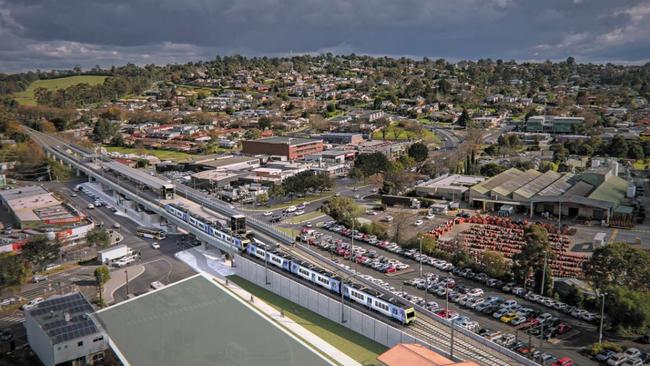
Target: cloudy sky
(50, 34)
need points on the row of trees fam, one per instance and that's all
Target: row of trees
(623, 273)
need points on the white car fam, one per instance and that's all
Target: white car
(91, 206)
(299, 212)
(291, 209)
(431, 216)
(388, 218)
(155, 245)
(156, 285)
(32, 303)
(418, 223)
(268, 213)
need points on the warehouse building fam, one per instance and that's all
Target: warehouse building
(450, 187)
(595, 194)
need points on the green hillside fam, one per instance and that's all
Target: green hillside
(27, 96)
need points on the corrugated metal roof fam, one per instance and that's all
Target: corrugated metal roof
(497, 180)
(558, 187)
(612, 190)
(517, 182)
(538, 184)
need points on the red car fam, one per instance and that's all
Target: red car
(564, 361)
(562, 328)
(447, 314)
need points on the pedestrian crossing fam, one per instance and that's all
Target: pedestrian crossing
(11, 319)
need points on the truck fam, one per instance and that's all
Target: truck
(110, 254)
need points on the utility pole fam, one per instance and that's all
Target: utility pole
(266, 267)
(342, 304)
(451, 341)
(421, 257)
(126, 272)
(602, 318)
(542, 287)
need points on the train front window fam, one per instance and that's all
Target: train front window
(410, 314)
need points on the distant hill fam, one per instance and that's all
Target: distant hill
(26, 97)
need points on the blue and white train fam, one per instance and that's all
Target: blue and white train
(212, 228)
(370, 298)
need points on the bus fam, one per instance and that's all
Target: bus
(151, 233)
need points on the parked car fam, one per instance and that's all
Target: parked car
(418, 222)
(155, 245)
(564, 361)
(268, 213)
(39, 278)
(605, 355)
(32, 303)
(617, 359)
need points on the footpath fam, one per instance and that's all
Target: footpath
(212, 264)
(118, 279)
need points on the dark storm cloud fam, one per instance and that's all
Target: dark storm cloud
(57, 33)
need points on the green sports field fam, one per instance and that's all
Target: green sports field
(27, 96)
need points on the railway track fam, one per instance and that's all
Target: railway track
(436, 333)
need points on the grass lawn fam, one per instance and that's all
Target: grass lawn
(304, 218)
(294, 202)
(358, 347)
(160, 154)
(27, 96)
(398, 133)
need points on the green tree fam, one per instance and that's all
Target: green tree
(264, 123)
(618, 147)
(102, 275)
(628, 309)
(98, 237)
(252, 134)
(263, 198)
(39, 252)
(277, 191)
(419, 152)
(464, 120)
(371, 164)
(12, 270)
(494, 264)
(492, 169)
(619, 264)
(342, 209)
(531, 258)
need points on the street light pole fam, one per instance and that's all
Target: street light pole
(451, 341)
(126, 272)
(602, 318)
(543, 284)
(420, 255)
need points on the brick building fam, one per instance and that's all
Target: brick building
(289, 147)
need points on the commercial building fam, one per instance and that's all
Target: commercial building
(417, 355)
(598, 193)
(554, 124)
(158, 186)
(198, 322)
(289, 148)
(34, 207)
(62, 330)
(342, 138)
(449, 187)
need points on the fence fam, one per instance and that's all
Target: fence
(324, 305)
